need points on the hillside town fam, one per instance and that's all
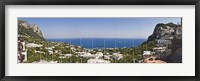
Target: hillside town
(98, 57)
(163, 46)
(91, 55)
(168, 47)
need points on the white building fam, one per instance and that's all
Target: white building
(25, 55)
(159, 49)
(24, 51)
(107, 57)
(97, 61)
(33, 45)
(39, 52)
(162, 42)
(162, 52)
(43, 61)
(24, 47)
(68, 55)
(117, 56)
(147, 53)
(88, 55)
(50, 50)
(80, 53)
(99, 55)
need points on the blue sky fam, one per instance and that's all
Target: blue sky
(98, 27)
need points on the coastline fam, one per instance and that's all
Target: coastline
(101, 43)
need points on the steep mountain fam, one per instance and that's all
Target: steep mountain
(29, 30)
(36, 29)
(166, 31)
(172, 32)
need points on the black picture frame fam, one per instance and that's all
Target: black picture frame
(99, 2)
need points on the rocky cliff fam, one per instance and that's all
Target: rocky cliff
(36, 29)
(166, 31)
(29, 30)
(172, 32)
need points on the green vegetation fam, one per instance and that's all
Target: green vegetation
(135, 53)
(130, 55)
(30, 35)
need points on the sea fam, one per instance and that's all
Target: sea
(100, 43)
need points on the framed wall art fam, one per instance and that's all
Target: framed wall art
(100, 40)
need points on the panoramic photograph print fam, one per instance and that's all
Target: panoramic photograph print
(99, 40)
